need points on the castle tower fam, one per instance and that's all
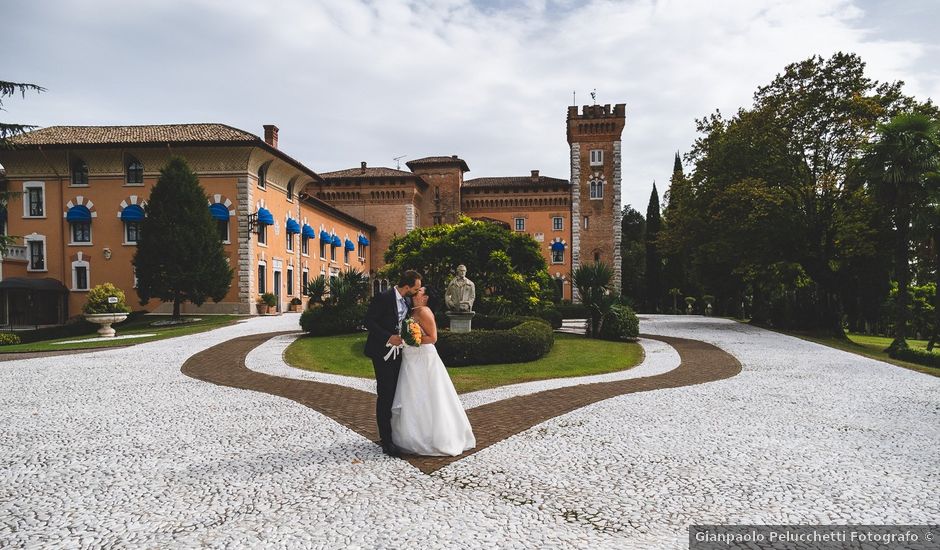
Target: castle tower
(444, 176)
(594, 137)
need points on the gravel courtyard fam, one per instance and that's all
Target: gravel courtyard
(119, 449)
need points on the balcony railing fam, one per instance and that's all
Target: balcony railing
(14, 253)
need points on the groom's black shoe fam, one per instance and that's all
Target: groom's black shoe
(391, 450)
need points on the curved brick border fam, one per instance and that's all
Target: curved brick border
(224, 364)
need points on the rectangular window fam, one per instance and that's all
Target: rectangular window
(346, 256)
(262, 234)
(223, 230)
(332, 253)
(558, 223)
(322, 250)
(290, 281)
(35, 198)
(81, 232)
(597, 157)
(290, 241)
(520, 224)
(304, 277)
(305, 245)
(37, 255)
(362, 251)
(131, 232)
(261, 282)
(81, 278)
(558, 256)
(586, 221)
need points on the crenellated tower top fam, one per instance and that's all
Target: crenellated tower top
(596, 122)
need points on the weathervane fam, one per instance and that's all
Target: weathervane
(594, 96)
(398, 161)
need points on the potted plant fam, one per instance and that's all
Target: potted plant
(269, 301)
(105, 306)
(295, 304)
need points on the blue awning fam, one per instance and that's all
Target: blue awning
(308, 232)
(336, 241)
(325, 237)
(558, 245)
(293, 226)
(363, 240)
(78, 213)
(350, 245)
(132, 213)
(265, 217)
(219, 212)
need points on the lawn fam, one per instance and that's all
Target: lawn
(136, 325)
(873, 347)
(571, 356)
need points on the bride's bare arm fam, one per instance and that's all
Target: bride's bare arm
(426, 319)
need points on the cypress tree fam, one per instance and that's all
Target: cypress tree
(653, 261)
(179, 255)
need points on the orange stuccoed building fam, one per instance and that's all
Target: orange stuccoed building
(84, 190)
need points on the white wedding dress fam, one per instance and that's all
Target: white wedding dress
(427, 416)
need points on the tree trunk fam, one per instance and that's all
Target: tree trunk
(903, 271)
(936, 296)
(177, 301)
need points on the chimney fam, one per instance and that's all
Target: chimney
(362, 167)
(535, 176)
(270, 135)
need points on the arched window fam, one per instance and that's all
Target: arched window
(597, 189)
(79, 172)
(134, 171)
(263, 175)
(290, 189)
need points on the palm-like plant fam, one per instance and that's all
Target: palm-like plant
(593, 282)
(347, 288)
(906, 151)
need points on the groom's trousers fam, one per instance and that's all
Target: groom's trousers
(386, 381)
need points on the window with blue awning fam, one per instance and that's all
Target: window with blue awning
(558, 246)
(78, 213)
(336, 241)
(133, 213)
(265, 217)
(350, 245)
(363, 240)
(219, 212)
(308, 232)
(293, 226)
(325, 237)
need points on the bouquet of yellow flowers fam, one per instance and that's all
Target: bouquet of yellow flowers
(411, 332)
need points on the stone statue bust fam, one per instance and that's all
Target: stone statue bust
(461, 292)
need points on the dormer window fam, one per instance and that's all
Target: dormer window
(79, 172)
(134, 171)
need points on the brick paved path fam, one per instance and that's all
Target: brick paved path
(224, 364)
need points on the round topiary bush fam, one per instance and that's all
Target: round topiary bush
(98, 300)
(328, 320)
(525, 341)
(620, 323)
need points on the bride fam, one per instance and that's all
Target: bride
(427, 416)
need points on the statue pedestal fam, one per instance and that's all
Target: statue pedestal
(460, 322)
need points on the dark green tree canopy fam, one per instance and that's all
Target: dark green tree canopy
(8, 89)
(179, 255)
(508, 268)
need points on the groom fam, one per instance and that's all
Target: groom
(383, 320)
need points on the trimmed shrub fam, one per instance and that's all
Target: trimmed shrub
(497, 322)
(620, 323)
(330, 320)
(919, 356)
(572, 311)
(527, 341)
(98, 300)
(8, 339)
(553, 316)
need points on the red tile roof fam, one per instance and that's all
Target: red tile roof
(154, 133)
(515, 181)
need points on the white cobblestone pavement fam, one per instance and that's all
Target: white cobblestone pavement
(119, 449)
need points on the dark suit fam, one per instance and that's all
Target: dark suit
(382, 322)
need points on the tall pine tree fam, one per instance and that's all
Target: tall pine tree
(179, 256)
(8, 130)
(654, 265)
(674, 261)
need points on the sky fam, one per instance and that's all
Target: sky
(355, 80)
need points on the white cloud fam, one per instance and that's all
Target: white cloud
(354, 80)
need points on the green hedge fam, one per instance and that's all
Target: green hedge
(572, 311)
(7, 339)
(496, 322)
(526, 341)
(330, 320)
(919, 356)
(553, 316)
(620, 323)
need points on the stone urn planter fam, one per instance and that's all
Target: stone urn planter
(105, 320)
